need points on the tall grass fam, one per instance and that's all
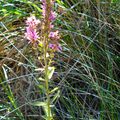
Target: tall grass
(87, 69)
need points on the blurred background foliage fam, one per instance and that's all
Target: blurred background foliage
(87, 69)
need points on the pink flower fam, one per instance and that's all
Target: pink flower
(55, 47)
(51, 26)
(31, 34)
(32, 22)
(54, 35)
(52, 16)
(44, 10)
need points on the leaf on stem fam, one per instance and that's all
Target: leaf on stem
(50, 72)
(38, 103)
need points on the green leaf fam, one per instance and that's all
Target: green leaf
(45, 107)
(41, 87)
(57, 95)
(39, 69)
(34, 5)
(41, 44)
(114, 1)
(41, 79)
(50, 72)
(60, 2)
(38, 103)
(46, 111)
(55, 89)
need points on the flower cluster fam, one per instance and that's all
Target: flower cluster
(31, 29)
(53, 35)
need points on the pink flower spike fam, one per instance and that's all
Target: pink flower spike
(31, 34)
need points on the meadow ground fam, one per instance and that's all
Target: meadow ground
(87, 72)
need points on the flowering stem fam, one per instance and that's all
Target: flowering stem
(46, 40)
(49, 39)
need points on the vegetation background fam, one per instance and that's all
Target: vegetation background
(87, 69)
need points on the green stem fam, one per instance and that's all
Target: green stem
(47, 80)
